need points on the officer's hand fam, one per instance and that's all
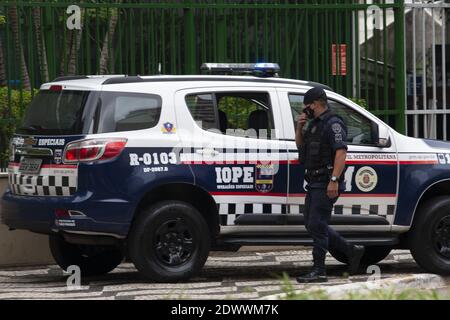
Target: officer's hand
(301, 120)
(332, 190)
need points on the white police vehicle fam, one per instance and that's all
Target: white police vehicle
(163, 169)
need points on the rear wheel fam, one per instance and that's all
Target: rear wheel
(169, 241)
(372, 255)
(429, 237)
(93, 260)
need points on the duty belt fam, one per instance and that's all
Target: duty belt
(318, 175)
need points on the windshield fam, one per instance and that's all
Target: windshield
(56, 113)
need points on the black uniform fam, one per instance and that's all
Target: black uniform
(321, 138)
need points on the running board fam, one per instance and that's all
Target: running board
(256, 241)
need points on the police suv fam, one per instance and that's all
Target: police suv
(164, 169)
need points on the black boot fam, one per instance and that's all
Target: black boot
(354, 258)
(317, 274)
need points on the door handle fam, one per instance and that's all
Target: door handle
(208, 152)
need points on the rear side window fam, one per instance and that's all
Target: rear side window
(244, 114)
(123, 111)
(202, 110)
(56, 113)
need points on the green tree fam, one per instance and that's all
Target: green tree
(14, 21)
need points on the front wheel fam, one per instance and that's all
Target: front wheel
(91, 259)
(169, 241)
(429, 238)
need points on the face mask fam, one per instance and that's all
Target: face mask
(309, 113)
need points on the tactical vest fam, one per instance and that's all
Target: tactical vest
(317, 153)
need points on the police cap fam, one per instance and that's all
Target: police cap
(314, 94)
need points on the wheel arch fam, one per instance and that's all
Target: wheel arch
(436, 189)
(187, 192)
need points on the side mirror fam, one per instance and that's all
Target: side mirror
(383, 139)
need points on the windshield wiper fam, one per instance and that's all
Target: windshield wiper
(32, 128)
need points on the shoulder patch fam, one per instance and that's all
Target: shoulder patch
(336, 127)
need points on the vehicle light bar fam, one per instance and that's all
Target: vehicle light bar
(256, 69)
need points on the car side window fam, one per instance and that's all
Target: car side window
(296, 103)
(123, 111)
(245, 114)
(201, 106)
(359, 128)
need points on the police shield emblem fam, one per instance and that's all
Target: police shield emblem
(168, 127)
(264, 177)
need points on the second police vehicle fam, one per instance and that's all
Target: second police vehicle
(164, 169)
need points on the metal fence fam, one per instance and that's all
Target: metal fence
(428, 68)
(336, 42)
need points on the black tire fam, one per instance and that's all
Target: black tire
(169, 242)
(372, 255)
(92, 260)
(429, 237)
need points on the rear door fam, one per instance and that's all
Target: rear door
(231, 139)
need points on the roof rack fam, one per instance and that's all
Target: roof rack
(137, 79)
(79, 77)
(65, 78)
(256, 69)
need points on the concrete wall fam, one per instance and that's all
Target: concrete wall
(21, 247)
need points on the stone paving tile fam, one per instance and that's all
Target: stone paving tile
(226, 275)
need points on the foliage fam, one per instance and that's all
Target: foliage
(11, 115)
(289, 293)
(361, 102)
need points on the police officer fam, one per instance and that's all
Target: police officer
(323, 150)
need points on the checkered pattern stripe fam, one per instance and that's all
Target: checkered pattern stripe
(229, 212)
(49, 185)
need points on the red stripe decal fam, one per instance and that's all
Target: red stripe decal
(353, 195)
(371, 162)
(420, 162)
(231, 193)
(350, 195)
(238, 162)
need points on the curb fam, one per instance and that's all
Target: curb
(417, 281)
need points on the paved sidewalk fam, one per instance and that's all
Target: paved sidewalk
(239, 275)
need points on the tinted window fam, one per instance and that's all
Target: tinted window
(296, 103)
(234, 113)
(56, 113)
(201, 107)
(122, 111)
(360, 129)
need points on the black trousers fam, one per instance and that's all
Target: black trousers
(317, 214)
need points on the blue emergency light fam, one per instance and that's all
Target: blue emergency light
(256, 69)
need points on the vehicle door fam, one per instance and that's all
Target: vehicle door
(230, 138)
(371, 171)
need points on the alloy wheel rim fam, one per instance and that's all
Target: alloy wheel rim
(441, 237)
(173, 242)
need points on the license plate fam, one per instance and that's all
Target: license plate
(30, 165)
